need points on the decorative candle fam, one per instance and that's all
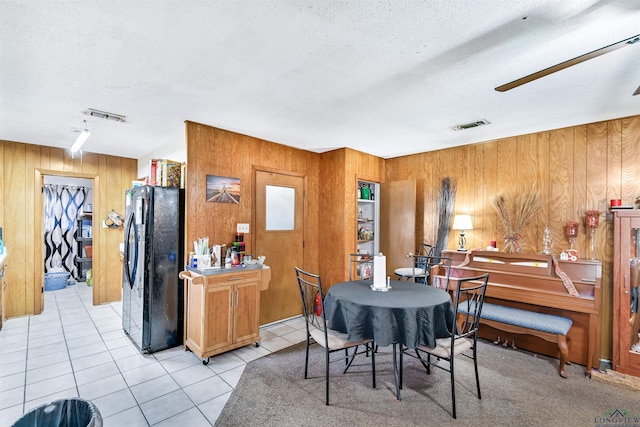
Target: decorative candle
(592, 218)
(572, 229)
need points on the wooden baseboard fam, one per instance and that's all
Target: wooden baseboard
(611, 376)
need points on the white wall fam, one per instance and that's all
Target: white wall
(174, 151)
(72, 181)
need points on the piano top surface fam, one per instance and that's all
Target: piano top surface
(532, 278)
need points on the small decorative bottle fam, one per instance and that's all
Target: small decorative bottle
(546, 241)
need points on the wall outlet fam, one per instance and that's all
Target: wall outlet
(242, 228)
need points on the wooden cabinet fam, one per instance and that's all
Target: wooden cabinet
(626, 281)
(222, 310)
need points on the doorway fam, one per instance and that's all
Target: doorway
(64, 228)
(279, 237)
(67, 225)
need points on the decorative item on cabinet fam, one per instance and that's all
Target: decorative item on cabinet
(515, 217)
(592, 219)
(462, 223)
(571, 230)
(546, 241)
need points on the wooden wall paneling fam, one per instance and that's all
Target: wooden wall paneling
(464, 192)
(114, 194)
(527, 175)
(442, 159)
(420, 208)
(430, 193)
(561, 182)
(543, 185)
(429, 178)
(630, 150)
(506, 177)
(490, 225)
(314, 205)
(581, 198)
(195, 186)
(477, 237)
(99, 291)
(14, 228)
(33, 270)
(595, 187)
(333, 244)
(598, 185)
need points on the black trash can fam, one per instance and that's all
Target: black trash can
(71, 412)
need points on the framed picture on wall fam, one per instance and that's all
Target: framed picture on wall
(223, 189)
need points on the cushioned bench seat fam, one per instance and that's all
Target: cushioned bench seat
(549, 327)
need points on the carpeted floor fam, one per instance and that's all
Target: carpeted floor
(518, 388)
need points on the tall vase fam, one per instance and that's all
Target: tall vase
(592, 222)
(512, 243)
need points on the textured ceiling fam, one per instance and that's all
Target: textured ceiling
(384, 77)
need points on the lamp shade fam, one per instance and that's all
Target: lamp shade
(462, 222)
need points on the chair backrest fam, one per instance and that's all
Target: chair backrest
(469, 294)
(310, 286)
(360, 266)
(427, 263)
(426, 249)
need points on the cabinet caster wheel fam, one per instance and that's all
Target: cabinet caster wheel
(257, 344)
(205, 361)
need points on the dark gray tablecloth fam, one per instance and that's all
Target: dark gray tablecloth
(410, 313)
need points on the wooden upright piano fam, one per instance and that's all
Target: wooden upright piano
(531, 282)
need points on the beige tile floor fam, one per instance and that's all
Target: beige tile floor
(76, 349)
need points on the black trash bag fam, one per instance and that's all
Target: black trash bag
(71, 412)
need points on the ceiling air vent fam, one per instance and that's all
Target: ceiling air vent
(104, 115)
(472, 124)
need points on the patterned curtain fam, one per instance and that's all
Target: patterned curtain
(61, 206)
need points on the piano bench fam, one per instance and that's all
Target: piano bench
(549, 327)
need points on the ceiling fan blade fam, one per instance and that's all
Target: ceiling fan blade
(569, 63)
(637, 92)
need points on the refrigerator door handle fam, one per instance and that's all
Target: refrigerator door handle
(131, 275)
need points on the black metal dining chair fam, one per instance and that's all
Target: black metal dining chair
(416, 272)
(427, 263)
(332, 341)
(469, 293)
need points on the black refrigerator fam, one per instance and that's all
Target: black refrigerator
(152, 293)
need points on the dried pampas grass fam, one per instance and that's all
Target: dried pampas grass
(515, 218)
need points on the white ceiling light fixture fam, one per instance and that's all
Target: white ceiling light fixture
(81, 139)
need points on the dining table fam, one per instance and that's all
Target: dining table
(406, 313)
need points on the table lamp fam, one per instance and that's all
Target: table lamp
(462, 223)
